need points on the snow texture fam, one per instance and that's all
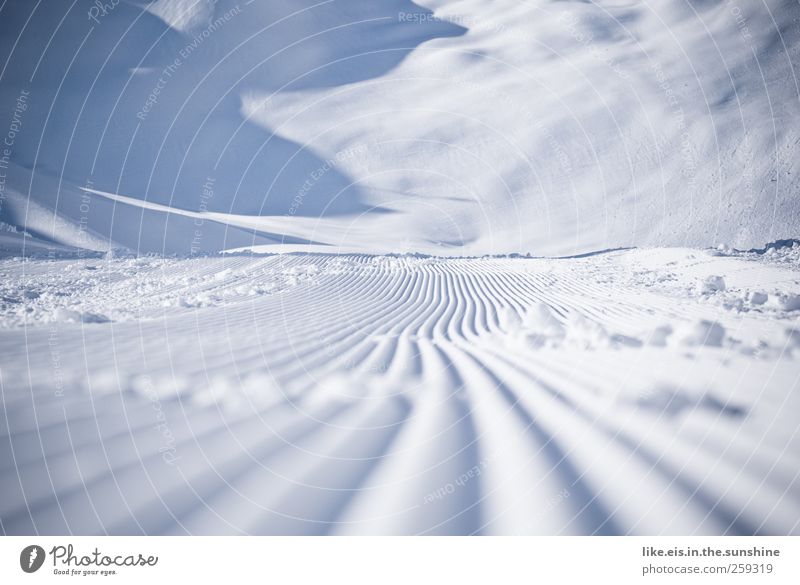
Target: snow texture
(396, 267)
(351, 394)
(447, 127)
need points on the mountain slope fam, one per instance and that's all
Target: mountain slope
(459, 125)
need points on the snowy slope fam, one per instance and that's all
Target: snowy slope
(263, 267)
(619, 393)
(444, 126)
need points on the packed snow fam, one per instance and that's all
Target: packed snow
(348, 394)
(433, 267)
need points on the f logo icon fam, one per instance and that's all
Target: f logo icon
(31, 558)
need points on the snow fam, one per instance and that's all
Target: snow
(712, 284)
(434, 267)
(399, 394)
(448, 127)
(702, 332)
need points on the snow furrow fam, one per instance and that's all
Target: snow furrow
(413, 395)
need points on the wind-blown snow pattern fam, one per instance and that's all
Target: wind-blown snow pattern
(397, 267)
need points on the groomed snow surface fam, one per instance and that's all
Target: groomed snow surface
(446, 127)
(639, 391)
(263, 267)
